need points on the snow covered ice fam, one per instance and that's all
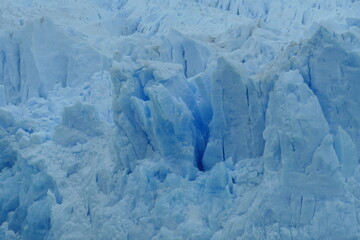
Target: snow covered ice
(179, 119)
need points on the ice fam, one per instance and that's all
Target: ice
(238, 119)
(2, 96)
(79, 122)
(192, 55)
(346, 151)
(179, 119)
(153, 114)
(294, 123)
(25, 202)
(33, 68)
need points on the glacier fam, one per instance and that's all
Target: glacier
(179, 119)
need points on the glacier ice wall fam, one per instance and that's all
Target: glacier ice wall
(40, 56)
(27, 191)
(186, 119)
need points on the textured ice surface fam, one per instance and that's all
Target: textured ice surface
(179, 119)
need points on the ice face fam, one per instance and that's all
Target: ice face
(237, 117)
(41, 56)
(157, 111)
(79, 122)
(27, 191)
(185, 119)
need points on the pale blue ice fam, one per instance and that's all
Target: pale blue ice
(179, 119)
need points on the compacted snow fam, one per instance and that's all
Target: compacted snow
(179, 119)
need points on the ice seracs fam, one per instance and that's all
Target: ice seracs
(185, 119)
(40, 56)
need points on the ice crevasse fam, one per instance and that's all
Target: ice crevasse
(191, 119)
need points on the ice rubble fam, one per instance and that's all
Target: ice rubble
(191, 119)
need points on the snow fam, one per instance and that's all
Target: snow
(179, 119)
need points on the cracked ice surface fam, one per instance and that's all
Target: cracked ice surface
(179, 119)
